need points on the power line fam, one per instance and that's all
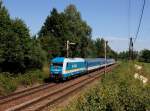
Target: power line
(129, 35)
(129, 14)
(141, 16)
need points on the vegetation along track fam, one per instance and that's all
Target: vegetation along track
(42, 97)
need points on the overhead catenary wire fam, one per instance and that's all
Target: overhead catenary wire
(131, 55)
(141, 16)
(129, 14)
(129, 33)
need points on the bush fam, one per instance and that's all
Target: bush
(31, 78)
(10, 82)
(7, 83)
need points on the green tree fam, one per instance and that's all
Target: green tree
(50, 45)
(125, 55)
(60, 27)
(145, 56)
(53, 33)
(91, 49)
(5, 23)
(79, 30)
(100, 47)
(18, 52)
(37, 55)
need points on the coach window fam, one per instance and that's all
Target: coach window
(67, 64)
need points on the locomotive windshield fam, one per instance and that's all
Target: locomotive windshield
(57, 64)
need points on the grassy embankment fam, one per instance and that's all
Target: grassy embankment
(10, 82)
(117, 91)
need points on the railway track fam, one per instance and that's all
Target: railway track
(13, 96)
(19, 97)
(42, 96)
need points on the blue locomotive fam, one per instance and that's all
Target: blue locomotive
(63, 68)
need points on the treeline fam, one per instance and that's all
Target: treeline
(19, 51)
(142, 56)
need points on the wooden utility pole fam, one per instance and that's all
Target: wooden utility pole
(131, 49)
(105, 54)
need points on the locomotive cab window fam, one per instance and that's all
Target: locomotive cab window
(57, 64)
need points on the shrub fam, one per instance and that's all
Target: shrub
(31, 77)
(7, 83)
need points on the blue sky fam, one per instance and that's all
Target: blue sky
(107, 18)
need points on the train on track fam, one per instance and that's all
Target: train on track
(62, 68)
